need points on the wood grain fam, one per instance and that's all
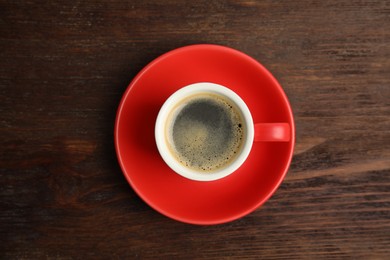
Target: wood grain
(65, 64)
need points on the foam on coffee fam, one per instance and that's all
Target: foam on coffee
(205, 132)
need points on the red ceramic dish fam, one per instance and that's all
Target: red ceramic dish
(185, 200)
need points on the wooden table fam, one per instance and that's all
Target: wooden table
(64, 66)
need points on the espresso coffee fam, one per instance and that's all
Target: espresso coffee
(205, 132)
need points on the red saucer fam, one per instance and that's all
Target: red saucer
(169, 193)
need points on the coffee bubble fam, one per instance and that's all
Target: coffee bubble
(205, 132)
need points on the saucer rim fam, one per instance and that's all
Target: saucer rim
(145, 198)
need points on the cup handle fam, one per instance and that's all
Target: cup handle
(272, 132)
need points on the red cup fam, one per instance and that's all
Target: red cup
(211, 202)
(264, 132)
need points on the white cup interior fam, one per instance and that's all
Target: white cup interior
(163, 146)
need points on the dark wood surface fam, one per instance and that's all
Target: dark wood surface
(64, 66)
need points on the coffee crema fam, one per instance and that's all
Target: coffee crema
(205, 132)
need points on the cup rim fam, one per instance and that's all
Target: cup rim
(164, 112)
